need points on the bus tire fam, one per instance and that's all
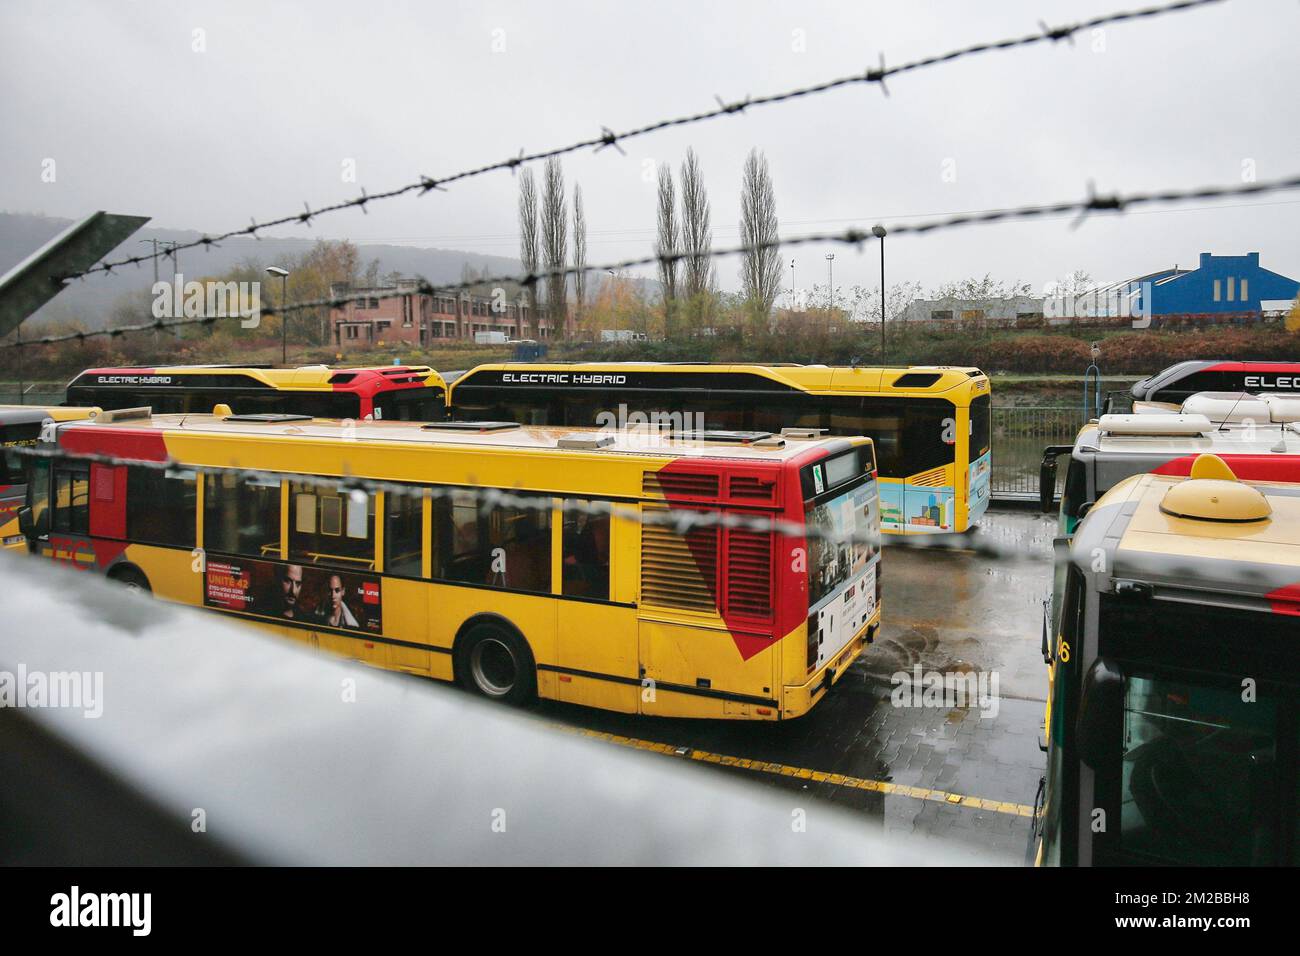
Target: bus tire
(132, 577)
(495, 662)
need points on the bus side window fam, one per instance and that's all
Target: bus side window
(585, 554)
(72, 499)
(403, 534)
(241, 518)
(881, 420)
(160, 506)
(331, 527)
(782, 413)
(508, 548)
(929, 435)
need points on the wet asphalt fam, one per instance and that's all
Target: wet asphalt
(960, 766)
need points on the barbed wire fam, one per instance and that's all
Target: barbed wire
(856, 236)
(679, 517)
(609, 138)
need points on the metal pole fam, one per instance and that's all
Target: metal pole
(176, 266)
(830, 283)
(879, 232)
(882, 300)
(284, 320)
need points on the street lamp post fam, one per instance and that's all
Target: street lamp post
(284, 316)
(791, 285)
(879, 232)
(830, 283)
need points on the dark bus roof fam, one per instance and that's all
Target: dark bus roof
(719, 379)
(1179, 382)
(311, 378)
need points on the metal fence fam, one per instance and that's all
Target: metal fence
(1020, 432)
(40, 395)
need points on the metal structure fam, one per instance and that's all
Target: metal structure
(34, 281)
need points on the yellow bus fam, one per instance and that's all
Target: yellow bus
(931, 424)
(402, 392)
(1174, 678)
(20, 427)
(579, 591)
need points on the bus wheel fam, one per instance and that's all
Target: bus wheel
(133, 579)
(497, 663)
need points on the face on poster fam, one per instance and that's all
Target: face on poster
(305, 593)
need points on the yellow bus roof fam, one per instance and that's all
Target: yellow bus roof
(1223, 557)
(632, 441)
(56, 413)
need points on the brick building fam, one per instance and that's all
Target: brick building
(398, 312)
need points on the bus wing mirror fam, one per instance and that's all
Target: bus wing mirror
(1100, 712)
(1047, 475)
(1047, 625)
(31, 529)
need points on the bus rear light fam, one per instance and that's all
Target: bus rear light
(565, 679)
(763, 711)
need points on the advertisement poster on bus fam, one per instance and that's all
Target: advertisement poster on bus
(922, 508)
(981, 472)
(842, 574)
(303, 593)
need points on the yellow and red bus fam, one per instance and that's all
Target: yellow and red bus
(20, 427)
(401, 392)
(931, 424)
(580, 591)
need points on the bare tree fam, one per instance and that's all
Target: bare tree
(528, 232)
(555, 227)
(760, 273)
(579, 252)
(985, 287)
(666, 246)
(697, 236)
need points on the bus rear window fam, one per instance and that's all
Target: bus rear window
(410, 405)
(979, 426)
(839, 470)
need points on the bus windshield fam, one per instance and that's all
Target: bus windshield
(1199, 774)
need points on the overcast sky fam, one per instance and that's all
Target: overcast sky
(265, 114)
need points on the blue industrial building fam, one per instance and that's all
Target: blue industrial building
(1235, 284)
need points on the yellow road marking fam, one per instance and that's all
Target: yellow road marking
(785, 770)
